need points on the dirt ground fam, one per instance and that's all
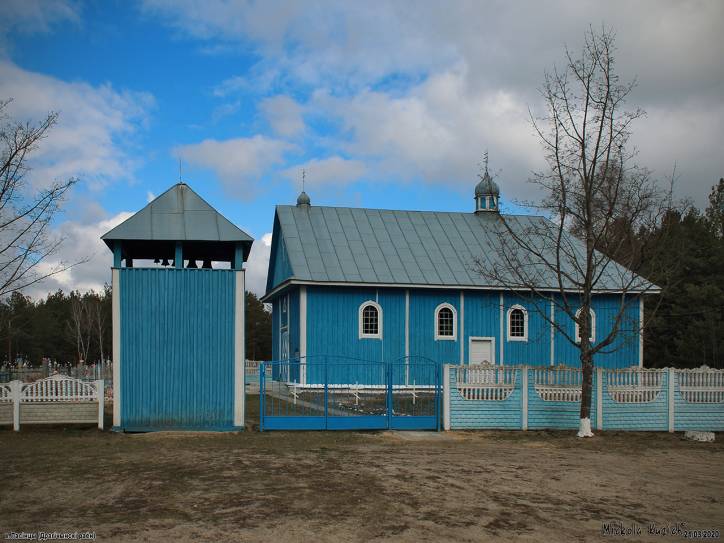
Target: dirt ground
(347, 486)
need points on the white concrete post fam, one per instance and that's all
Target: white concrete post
(16, 388)
(239, 351)
(524, 396)
(446, 397)
(100, 393)
(672, 397)
(116, 308)
(599, 398)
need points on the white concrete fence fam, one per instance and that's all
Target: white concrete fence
(54, 400)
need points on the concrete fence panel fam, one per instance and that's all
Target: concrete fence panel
(637, 399)
(54, 400)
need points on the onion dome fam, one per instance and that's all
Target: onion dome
(303, 199)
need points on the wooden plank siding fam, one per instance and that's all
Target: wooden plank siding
(177, 345)
(332, 327)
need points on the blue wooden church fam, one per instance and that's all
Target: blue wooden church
(178, 316)
(388, 285)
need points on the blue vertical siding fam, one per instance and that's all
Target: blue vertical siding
(482, 318)
(281, 269)
(422, 325)
(275, 328)
(536, 350)
(333, 312)
(177, 348)
(333, 330)
(393, 305)
(624, 352)
(294, 323)
(294, 373)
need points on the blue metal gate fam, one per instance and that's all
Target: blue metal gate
(337, 393)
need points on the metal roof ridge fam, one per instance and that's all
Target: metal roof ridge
(415, 210)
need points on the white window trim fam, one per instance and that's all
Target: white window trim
(524, 337)
(360, 320)
(454, 336)
(592, 339)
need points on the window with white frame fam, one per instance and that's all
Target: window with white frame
(446, 322)
(592, 322)
(517, 323)
(370, 320)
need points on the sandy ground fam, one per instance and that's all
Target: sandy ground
(313, 486)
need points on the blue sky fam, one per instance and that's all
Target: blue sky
(384, 104)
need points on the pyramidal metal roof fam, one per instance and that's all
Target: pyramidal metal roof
(178, 214)
(377, 246)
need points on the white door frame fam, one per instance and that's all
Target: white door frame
(491, 339)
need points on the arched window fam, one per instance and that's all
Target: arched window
(593, 327)
(517, 323)
(446, 322)
(370, 320)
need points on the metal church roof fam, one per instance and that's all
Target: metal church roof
(376, 246)
(178, 214)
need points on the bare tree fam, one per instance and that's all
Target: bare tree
(81, 324)
(601, 209)
(98, 316)
(25, 212)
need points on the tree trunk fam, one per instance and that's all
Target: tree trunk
(10, 342)
(584, 429)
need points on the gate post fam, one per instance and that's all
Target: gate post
(524, 397)
(438, 390)
(262, 394)
(446, 396)
(101, 395)
(15, 392)
(326, 393)
(388, 395)
(671, 398)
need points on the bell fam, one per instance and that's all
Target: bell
(207, 264)
(165, 262)
(191, 265)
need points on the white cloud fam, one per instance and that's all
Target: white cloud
(81, 243)
(460, 76)
(238, 162)
(284, 115)
(438, 131)
(230, 86)
(332, 171)
(30, 16)
(94, 126)
(258, 264)
(150, 196)
(225, 110)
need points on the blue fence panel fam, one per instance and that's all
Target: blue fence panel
(630, 411)
(376, 399)
(694, 407)
(634, 399)
(467, 413)
(547, 413)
